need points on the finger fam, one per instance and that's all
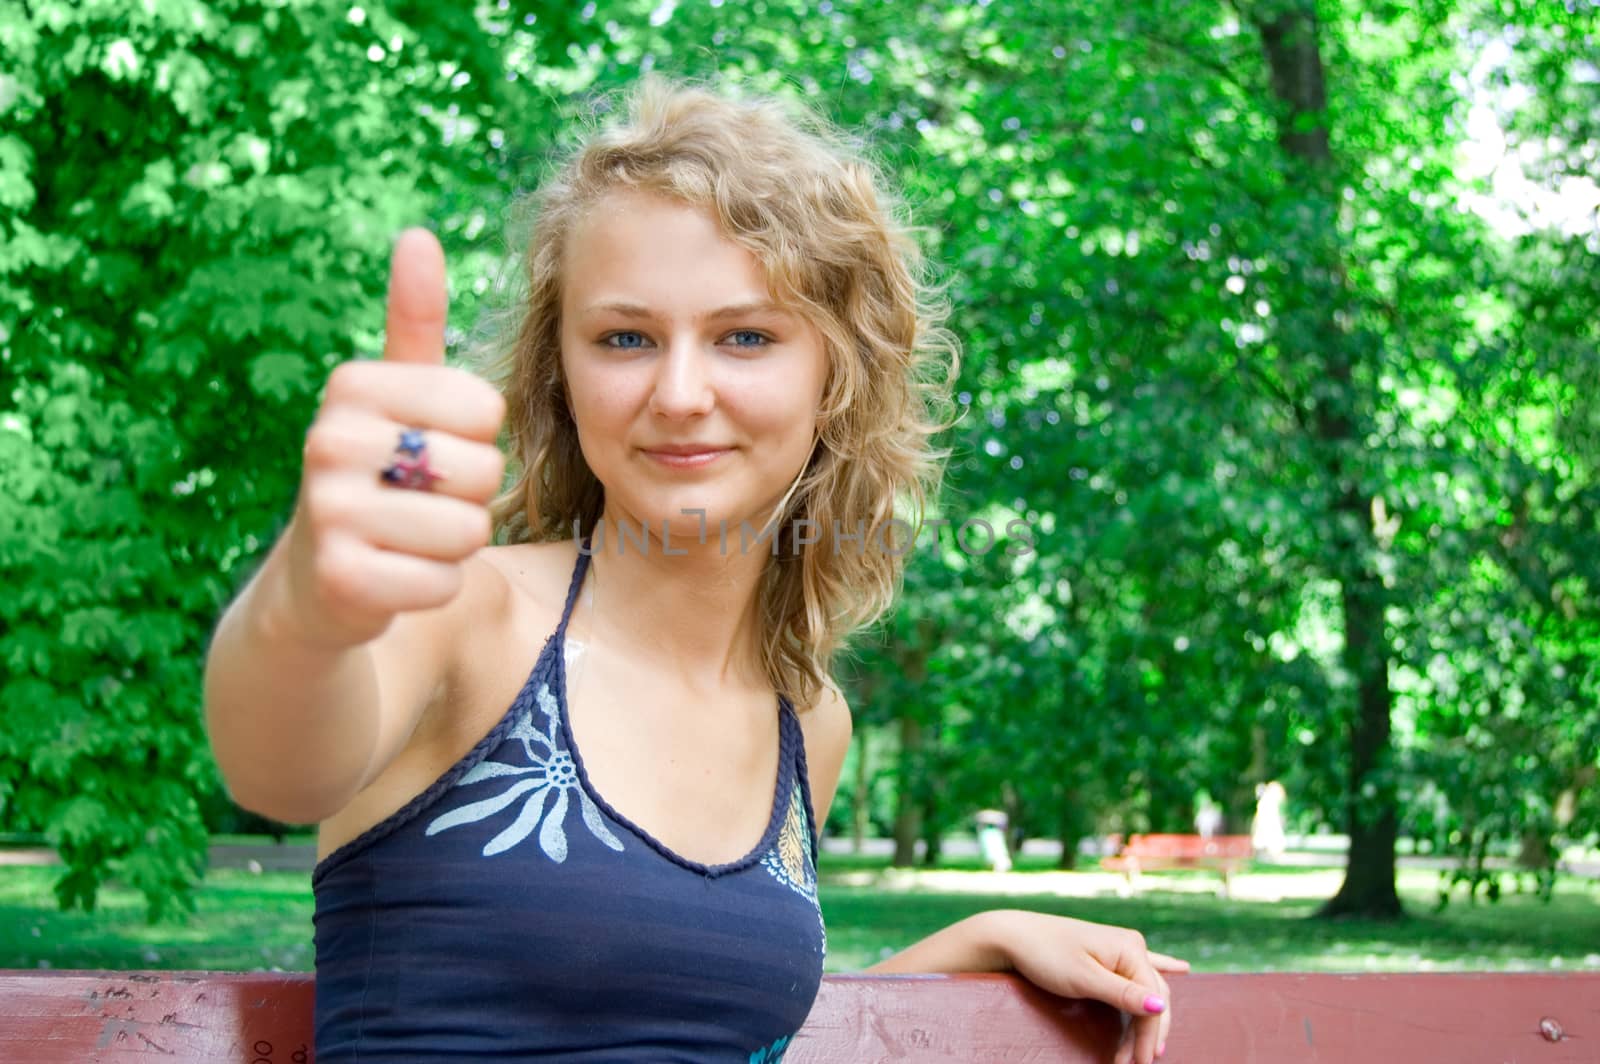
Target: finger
(386, 582)
(428, 397)
(1146, 1034)
(1163, 963)
(1165, 1026)
(1147, 1029)
(1142, 1001)
(418, 300)
(418, 524)
(1135, 998)
(363, 445)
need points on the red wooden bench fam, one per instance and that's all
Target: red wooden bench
(1223, 854)
(222, 1018)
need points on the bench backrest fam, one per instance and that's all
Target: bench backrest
(220, 1018)
(1189, 846)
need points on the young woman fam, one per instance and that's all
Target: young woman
(569, 785)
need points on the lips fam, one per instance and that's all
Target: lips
(685, 448)
(685, 455)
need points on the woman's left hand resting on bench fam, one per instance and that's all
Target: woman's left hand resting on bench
(1068, 957)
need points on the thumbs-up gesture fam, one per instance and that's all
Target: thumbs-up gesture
(400, 465)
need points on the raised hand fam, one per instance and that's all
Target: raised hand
(366, 545)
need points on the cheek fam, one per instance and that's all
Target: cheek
(773, 406)
(788, 422)
(789, 393)
(598, 399)
(593, 405)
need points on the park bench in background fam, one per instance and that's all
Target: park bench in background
(1223, 854)
(221, 1018)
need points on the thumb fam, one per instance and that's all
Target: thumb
(418, 302)
(1167, 964)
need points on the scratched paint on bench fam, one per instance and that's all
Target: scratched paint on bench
(219, 1018)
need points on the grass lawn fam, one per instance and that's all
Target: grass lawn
(1266, 926)
(242, 922)
(248, 921)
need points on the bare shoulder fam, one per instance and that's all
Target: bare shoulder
(826, 723)
(510, 603)
(484, 642)
(826, 726)
(539, 572)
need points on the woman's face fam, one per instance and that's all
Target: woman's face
(691, 390)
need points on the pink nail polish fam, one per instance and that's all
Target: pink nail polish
(1161, 1050)
(1154, 1004)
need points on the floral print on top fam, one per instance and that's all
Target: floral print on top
(772, 1054)
(790, 860)
(552, 773)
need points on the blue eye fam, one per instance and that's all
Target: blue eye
(748, 338)
(626, 341)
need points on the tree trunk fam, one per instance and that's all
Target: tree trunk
(866, 689)
(908, 812)
(933, 849)
(1016, 819)
(1239, 800)
(932, 828)
(859, 823)
(1289, 35)
(1371, 803)
(1073, 826)
(1566, 806)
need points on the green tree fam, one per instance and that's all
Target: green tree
(195, 208)
(1215, 291)
(1305, 450)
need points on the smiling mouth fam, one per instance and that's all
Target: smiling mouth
(686, 457)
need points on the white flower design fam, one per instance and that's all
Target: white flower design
(554, 773)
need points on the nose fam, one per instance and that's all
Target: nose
(683, 384)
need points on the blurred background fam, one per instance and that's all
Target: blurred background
(1278, 463)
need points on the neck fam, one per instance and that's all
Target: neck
(688, 606)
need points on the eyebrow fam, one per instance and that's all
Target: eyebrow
(733, 310)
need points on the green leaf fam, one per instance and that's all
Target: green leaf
(281, 375)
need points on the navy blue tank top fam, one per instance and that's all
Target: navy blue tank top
(510, 913)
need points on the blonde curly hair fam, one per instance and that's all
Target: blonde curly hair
(786, 186)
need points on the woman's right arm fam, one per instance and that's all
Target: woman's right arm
(320, 669)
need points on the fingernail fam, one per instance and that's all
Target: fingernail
(1154, 1004)
(1161, 1050)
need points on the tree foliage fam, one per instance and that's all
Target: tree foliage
(195, 214)
(1305, 449)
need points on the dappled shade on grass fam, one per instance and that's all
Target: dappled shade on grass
(246, 921)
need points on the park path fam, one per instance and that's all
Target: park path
(301, 856)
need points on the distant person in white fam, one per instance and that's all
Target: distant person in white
(1266, 830)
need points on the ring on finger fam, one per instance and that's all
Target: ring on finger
(410, 467)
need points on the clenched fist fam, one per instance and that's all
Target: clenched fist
(363, 548)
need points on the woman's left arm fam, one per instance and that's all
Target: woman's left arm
(1071, 958)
